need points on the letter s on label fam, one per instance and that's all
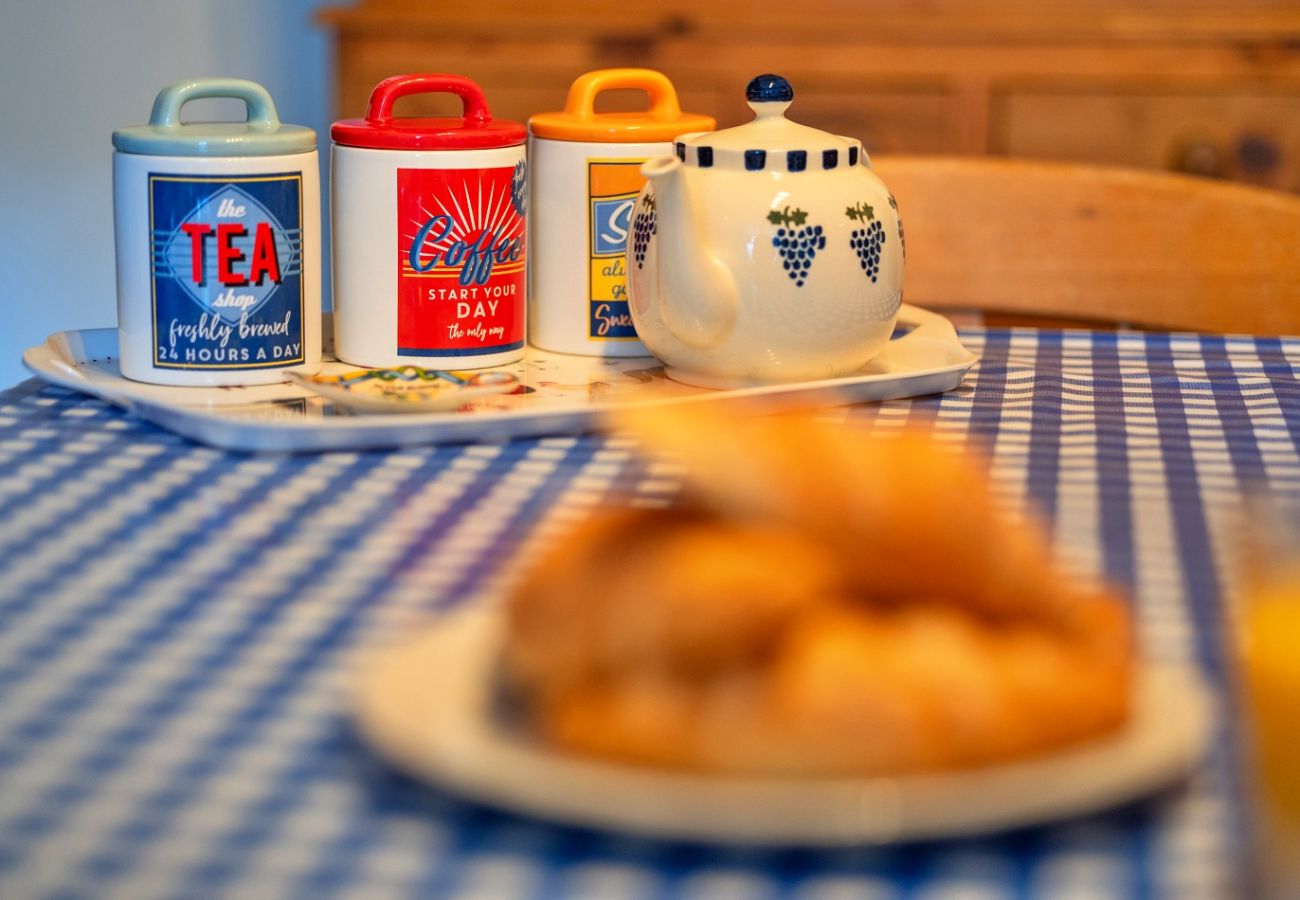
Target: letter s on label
(618, 222)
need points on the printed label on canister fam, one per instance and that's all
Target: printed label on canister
(612, 188)
(460, 266)
(226, 265)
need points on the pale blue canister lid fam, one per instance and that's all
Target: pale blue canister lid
(261, 135)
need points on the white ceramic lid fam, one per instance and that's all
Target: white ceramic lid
(771, 142)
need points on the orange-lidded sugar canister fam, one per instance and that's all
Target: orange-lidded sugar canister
(586, 174)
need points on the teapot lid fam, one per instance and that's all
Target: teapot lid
(771, 142)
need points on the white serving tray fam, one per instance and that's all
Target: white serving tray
(560, 394)
(429, 705)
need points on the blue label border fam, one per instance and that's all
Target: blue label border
(460, 351)
(302, 281)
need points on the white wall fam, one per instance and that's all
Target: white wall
(73, 70)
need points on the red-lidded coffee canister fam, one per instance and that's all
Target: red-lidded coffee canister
(429, 241)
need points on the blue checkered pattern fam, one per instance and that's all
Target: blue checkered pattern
(177, 625)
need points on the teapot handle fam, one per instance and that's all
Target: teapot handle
(663, 97)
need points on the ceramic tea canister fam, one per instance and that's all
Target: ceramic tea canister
(429, 232)
(217, 227)
(586, 173)
(766, 252)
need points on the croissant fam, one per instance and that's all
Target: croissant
(821, 602)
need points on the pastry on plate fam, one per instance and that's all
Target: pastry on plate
(821, 601)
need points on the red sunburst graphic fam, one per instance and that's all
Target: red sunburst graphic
(471, 215)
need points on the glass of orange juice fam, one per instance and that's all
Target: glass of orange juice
(1269, 645)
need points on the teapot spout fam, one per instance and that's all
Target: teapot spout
(698, 297)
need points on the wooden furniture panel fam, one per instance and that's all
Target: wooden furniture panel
(1195, 84)
(1244, 136)
(884, 120)
(1090, 242)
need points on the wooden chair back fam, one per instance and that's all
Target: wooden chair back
(1092, 243)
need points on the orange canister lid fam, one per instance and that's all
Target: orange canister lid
(663, 121)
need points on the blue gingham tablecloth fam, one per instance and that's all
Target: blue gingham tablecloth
(177, 625)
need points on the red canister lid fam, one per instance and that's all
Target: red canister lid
(474, 130)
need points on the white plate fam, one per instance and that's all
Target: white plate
(429, 707)
(562, 394)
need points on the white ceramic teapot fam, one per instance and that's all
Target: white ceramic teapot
(766, 252)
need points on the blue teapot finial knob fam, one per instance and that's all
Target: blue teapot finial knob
(769, 89)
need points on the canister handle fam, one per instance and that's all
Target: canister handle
(663, 98)
(261, 108)
(475, 112)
